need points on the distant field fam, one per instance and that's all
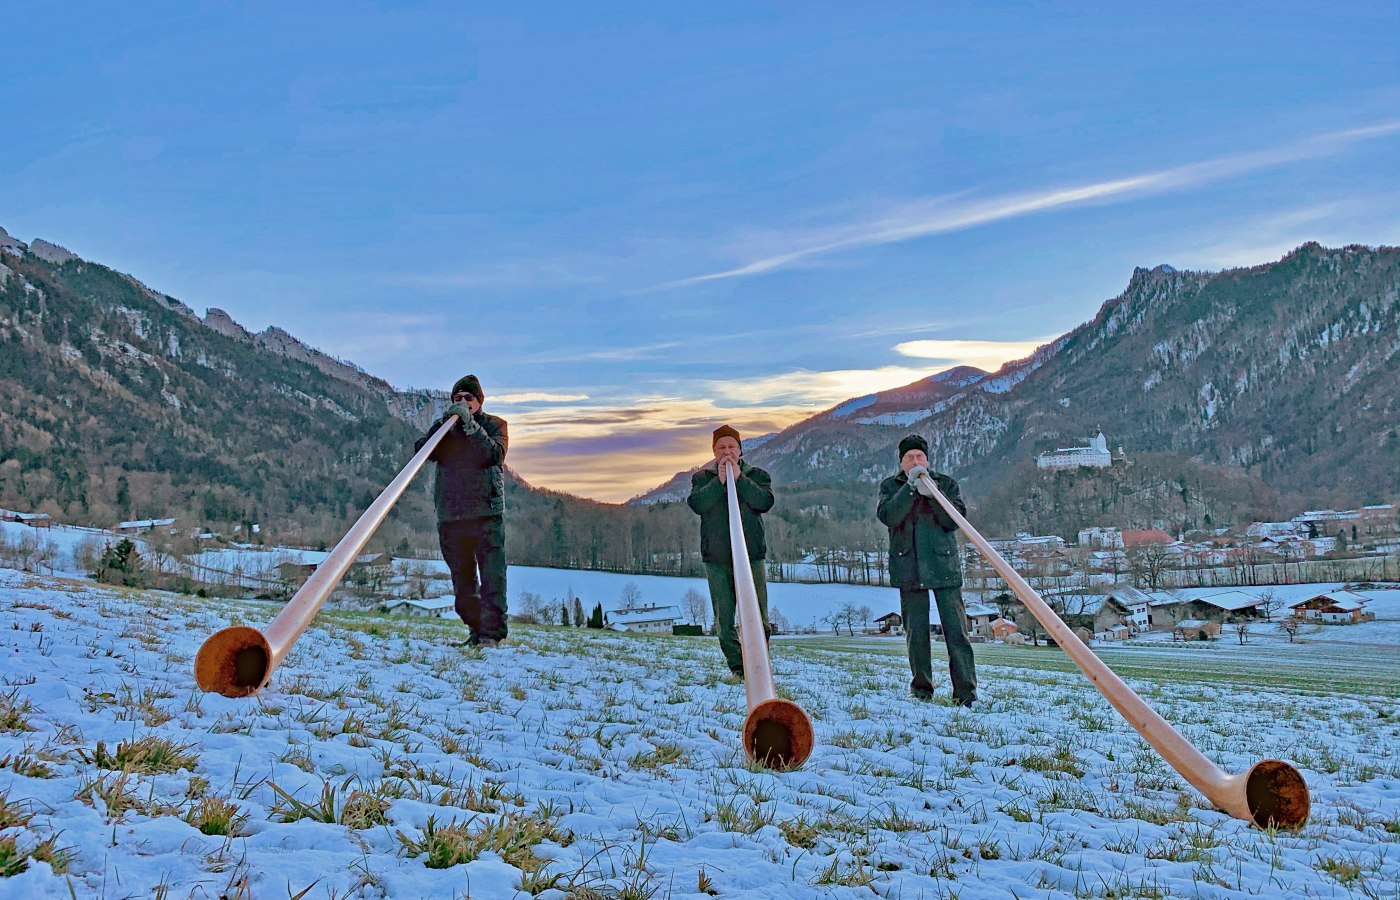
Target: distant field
(1332, 668)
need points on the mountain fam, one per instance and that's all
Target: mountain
(1264, 389)
(1249, 393)
(119, 402)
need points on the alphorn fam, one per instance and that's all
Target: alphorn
(1271, 793)
(777, 732)
(239, 661)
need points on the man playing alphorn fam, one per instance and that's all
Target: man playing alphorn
(924, 557)
(709, 499)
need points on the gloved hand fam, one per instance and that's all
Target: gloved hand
(461, 410)
(920, 484)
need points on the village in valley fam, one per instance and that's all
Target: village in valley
(1109, 584)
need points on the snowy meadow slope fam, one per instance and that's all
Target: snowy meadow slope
(384, 762)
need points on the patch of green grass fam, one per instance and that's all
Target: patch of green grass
(856, 873)
(25, 764)
(218, 816)
(663, 754)
(115, 791)
(355, 808)
(15, 712)
(513, 836)
(1062, 761)
(12, 814)
(487, 797)
(149, 755)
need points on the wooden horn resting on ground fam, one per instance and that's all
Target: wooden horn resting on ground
(239, 661)
(1270, 794)
(777, 732)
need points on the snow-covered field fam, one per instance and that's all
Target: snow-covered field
(384, 762)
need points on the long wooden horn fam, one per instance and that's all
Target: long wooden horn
(1270, 793)
(239, 661)
(777, 732)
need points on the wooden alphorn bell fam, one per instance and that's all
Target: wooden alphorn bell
(1271, 793)
(239, 661)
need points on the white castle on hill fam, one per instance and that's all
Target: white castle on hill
(1094, 456)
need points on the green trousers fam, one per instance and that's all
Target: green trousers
(914, 607)
(725, 602)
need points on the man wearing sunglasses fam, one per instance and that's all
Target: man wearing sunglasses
(469, 494)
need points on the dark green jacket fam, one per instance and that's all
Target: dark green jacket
(710, 498)
(923, 549)
(470, 481)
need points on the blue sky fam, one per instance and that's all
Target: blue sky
(636, 221)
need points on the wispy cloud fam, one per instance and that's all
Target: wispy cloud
(988, 355)
(537, 397)
(810, 390)
(635, 353)
(940, 215)
(506, 275)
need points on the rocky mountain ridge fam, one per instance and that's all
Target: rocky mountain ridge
(1285, 374)
(417, 407)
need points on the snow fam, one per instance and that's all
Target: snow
(850, 406)
(627, 748)
(1003, 383)
(908, 417)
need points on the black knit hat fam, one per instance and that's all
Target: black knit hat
(726, 431)
(471, 385)
(912, 442)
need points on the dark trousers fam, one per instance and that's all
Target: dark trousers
(725, 602)
(914, 607)
(475, 552)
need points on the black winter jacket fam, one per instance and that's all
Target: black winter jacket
(923, 550)
(710, 499)
(470, 481)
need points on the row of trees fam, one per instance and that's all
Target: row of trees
(567, 611)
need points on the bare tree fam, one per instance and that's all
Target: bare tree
(532, 608)
(1289, 625)
(778, 621)
(415, 576)
(1271, 604)
(1148, 565)
(87, 552)
(631, 595)
(847, 615)
(864, 614)
(1241, 629)
(697, 607)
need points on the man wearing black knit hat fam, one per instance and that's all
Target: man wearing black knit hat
(470, 497)
(924, 557)
(709, 498)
